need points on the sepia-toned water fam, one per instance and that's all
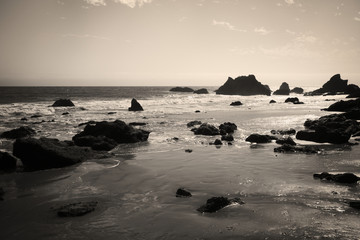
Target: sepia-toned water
(135, 188)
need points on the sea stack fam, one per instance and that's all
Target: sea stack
(135, 106)
(283, 90)
(335, 85)
(63, 103)
(243, 85)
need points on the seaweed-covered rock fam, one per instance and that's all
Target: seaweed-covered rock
(206, 129)
(349, 178)
(135, 106)
(283, 90)
(201, 91)
(76, 209)
(236, 103)
(243, 85)
(63, 103)
(45, 153)
(287, 148)
(7, 162)
(18, 133)
(258, 138)
(181, 89)
(183, 193)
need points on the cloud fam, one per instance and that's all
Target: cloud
(96, 2)
(133, 3)
(261, 31)
(227, 25)
(357, 19)
(303, 38)
(290, 2)
(85, 36)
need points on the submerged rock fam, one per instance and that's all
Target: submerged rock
(201, 91)
(243, 85)
(135, 106)
(63, 103)
(181, 89)
(287, 148)
(236, 103)
(206, 129)
(18, 133)
(182, 193)
(45, 153)
(7, 162)
(349, 178)
(258, 138)
(76, 209)
(283, 90)
(216, 203)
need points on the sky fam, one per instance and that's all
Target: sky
(177, 42)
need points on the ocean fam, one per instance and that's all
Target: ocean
(135, 188)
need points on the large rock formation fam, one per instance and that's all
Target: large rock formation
(106, 135)
(181, 89)
(135, 106)
(335, 85)
(297, 90)
(344, 106)
(18, 133)
(283, 90)
(243, 85)
(201, 91)
(45, 153)
(63, 103)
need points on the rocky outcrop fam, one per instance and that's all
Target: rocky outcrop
(63, 103)
(183, 193)
(348, 178)
(181, 89)
(76, 209)
(331, 136)
(45, 153)
(201, 91)
(293, 100)
(287, 148)
(18, 133)
(243, 85)
(258, 138)
(335, 85)
(283, 90)
(109, 134)
(236, 103)
(216, 203)
(7, 162)
(206, 129)
(297, 90)
(227, 127)
(344, 106)
(193, 123)
(135, 106)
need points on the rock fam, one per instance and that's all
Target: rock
(137, 124)
(286, 148)
(218, 142)
(36, 116)
(206, 129)
(227, 127)
(344, 106)
(335, 85)
(287, 140)
(111, 113)
(272, 101)
(18, 133)
(193, 123)
(45, 153)
(293, 100)
(329, 136)
(182, 193)
(24, 119)
(7, 162)
(135, 106)
(228, 138)
(197, 111)
(243, 85)
(63, 103)
(76, 209)
(2, 193)
(290, 131)
(283, 90)
(98, 143)
(109, 132)
(297, 90)
(257, 138)
(236, 103)
(188, 150)
(352, 114)
(354, 204)
(216, 203)
(181, 89)
(86, 123)
(349, 178)
(201, 91)
(354, 95)
(65, 113)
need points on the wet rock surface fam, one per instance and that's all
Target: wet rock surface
(349, 178)
(216, 203)
(258, 138)
(287, 148)
(76, 209)
(18, 133)
(7, 162)
(183, 193)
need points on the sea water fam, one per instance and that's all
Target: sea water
(136, 187)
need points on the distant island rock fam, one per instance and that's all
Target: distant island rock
(201, 91)
(283, 90)
(181, 89)
(334, 86)
(63, 103)
(135, 106)
(297, 90)
(243, 85)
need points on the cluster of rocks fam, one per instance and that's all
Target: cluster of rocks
(285, 90)
(189, 90)
(225, 130)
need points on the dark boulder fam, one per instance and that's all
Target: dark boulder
(137, 124)
(286, 148)
(76, 209)
(326, 135)
(236, 103)
(349, 178)
(63, 103)
(227, 127)
(352, 114)
(201, 91)
(36, 116)
(24, 119)
(206, 129)
(135, 106)
(272, 101)
(297, 90)
(290, 131)
(18, 133)
(193, 123)
(218, 142)
(283, 90)
(216, 203)
(228, 138)
(7, 162)
(287, 140)
(354, 203)
(86, 123)
(111, 133)
(293, 100)
(344, 106)
(258, 138)
(45, 153)
(182, 193)
(243, 85)
(181, 89)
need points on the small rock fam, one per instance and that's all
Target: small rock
(36, 116)
(63, 103)
(111, 113)
(228, 138)
(193, 123)
(182, 193)
(24, 119)
(197, 111)
(228, 127)
(218, 142)
(188, 150)
(290, 131)
(206, 129)
(135, 106)
(76, 209)
(236, 103)
(137, 124)
(272, 101)
(287, 140)
(181, 89)
(286, 148)
(354, 204)
(65, 113)
(202, 91)
(216, 203)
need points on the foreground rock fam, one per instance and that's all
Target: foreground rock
(243, 85)
(45, 153)
(182, 193)
(344, 106)
(201, 91)
(216, 203)
(7, 162)
(227, 127)
(297, 90)
(18, 133)
(206, 129)
(258, 138)
(181, 89)
(76, 209)
(335, 85)
(135, 106)
(287, 148)
(106, 135)
(63, 103)
(326, 136)
(283, 90)
(349, 178)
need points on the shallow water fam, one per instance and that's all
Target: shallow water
(136, 187)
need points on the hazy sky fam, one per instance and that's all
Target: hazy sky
(178, 42)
